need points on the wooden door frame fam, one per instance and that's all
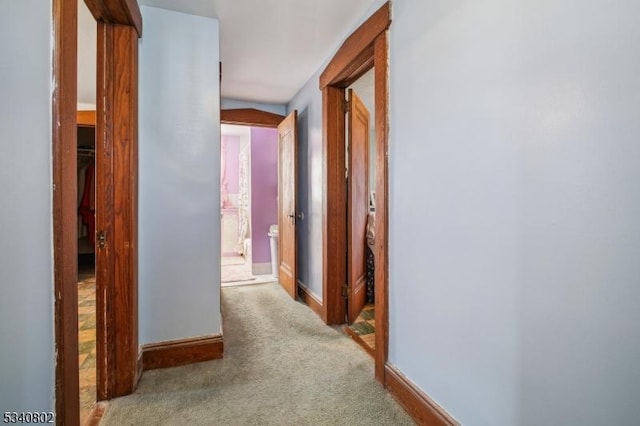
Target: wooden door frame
(250, 117)
(253, 118)
(115, 17)
(365, 48)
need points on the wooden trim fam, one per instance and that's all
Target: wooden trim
(181, 352)
(367, 47)
(65, 250)
(119, 65)
(361, 64)
(96, 414)
(381, 252)
(423, 409)
(348, 60)
(310, 300)
(250, 117)
(86, 118)
(105, 266)
(116, 209)
(140, 368)
(334, 205)
(123, 12)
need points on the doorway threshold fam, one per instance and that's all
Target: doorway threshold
(363, 329)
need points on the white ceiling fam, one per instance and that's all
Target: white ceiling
(270, 48)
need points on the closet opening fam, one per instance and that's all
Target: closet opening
(365, 49)
(86, 264)
(114, 88)
(360, 160)
(87, 59)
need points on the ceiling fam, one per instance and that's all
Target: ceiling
(270, 48)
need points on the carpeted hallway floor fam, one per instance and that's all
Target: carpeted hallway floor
(282, 366)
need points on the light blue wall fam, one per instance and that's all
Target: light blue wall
(308, 102)
(227, 103)
(514, 204)
(26, 236)
(179, 206)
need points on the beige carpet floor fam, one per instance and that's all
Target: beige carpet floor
(282, 366)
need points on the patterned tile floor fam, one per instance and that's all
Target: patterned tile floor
(87, 340)
(364, 327)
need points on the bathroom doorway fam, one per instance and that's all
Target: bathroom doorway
(248, 203)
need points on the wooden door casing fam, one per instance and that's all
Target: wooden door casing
(65, 210)
(358, 204)
(117, 122)
(116, 210)
(287, 188)
(365, 48)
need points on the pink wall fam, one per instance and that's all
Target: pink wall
(264, 190)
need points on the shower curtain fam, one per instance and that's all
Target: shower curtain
(244, 226)
(224, 185)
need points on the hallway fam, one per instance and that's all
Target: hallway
(282, 365)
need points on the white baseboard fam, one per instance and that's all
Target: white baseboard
(261, 268)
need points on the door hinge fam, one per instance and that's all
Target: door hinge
(347, 106)
(345, 291)
(101, 239)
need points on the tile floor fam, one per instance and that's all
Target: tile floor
(87, 340)
(236, 270)
(364, 327)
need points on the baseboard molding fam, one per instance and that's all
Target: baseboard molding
(261, 268)
(140, 368)
(181, 352)
(416, 403)
(310, 300)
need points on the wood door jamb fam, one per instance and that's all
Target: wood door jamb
(65, 245)
(117, 218)
(334, 193)
(123, 12)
